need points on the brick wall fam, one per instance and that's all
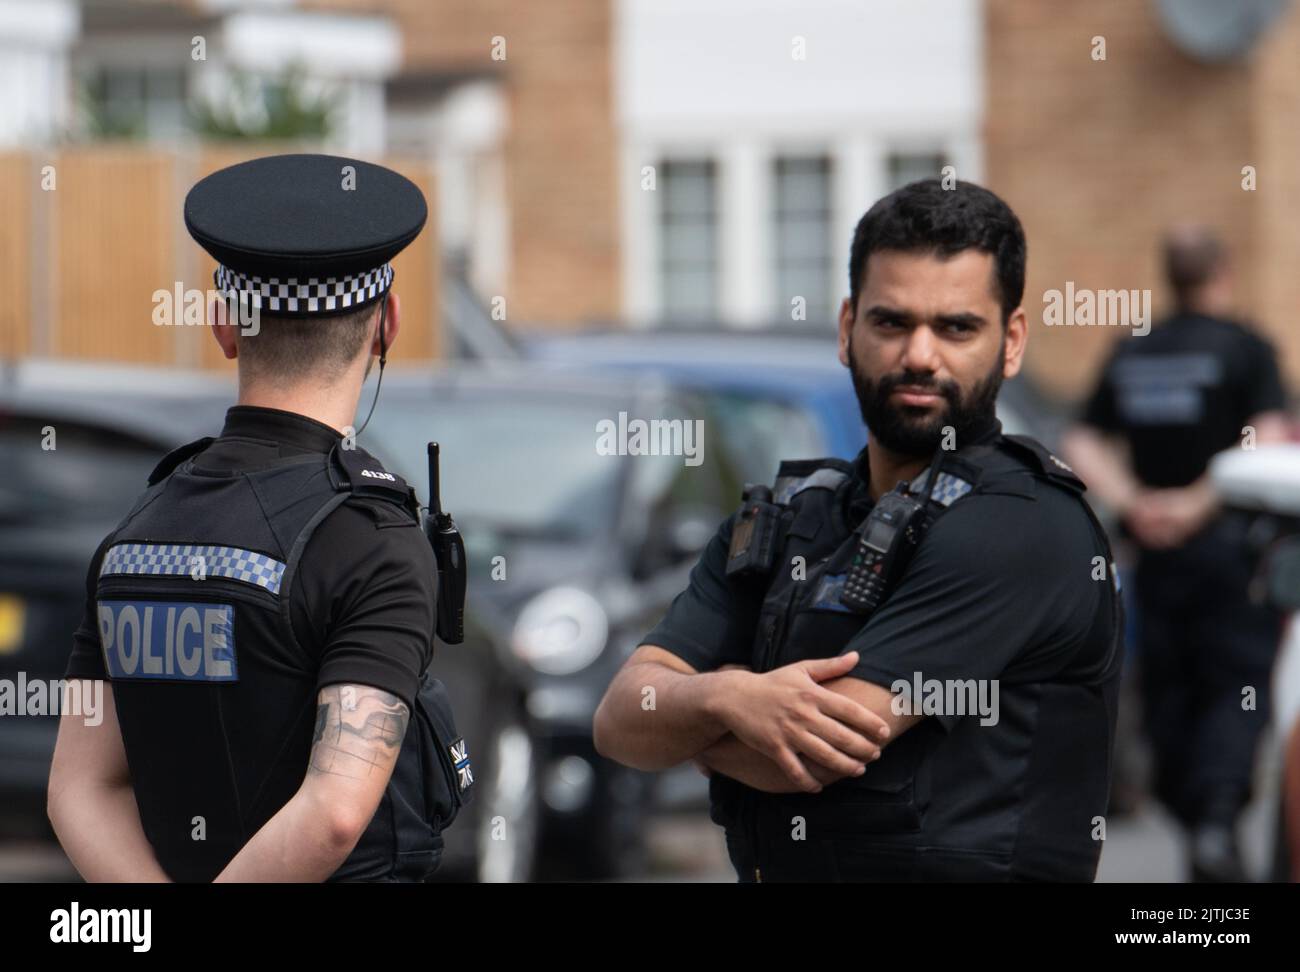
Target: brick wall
(561, 148)
(1098, 157)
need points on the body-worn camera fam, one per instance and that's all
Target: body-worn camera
(754, 535)
(449, 553)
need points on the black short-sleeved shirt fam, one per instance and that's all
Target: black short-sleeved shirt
(1183, 392)
(363, 597)
(1007, 588)
(1015, 571)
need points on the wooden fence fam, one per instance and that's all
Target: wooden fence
(89, 234)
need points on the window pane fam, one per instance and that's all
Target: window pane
(688, 187)
(805, 238)
(688, 244)
(907, 167)
(689, 292)
(802, 234)
(688, 238)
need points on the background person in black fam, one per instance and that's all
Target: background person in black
(1164, 405)
(999, 591)
(288, 762)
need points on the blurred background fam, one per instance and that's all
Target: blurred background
(636, 205)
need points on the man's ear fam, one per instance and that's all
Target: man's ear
(392, 324)
(221, 329)
(846, 325)
(1016, 339)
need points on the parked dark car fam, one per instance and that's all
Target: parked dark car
(78, 444)
(76, 448)
(572, 555)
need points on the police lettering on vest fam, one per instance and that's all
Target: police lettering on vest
(155, 639)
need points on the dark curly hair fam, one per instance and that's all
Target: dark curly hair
(924, 217)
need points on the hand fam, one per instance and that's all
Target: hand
(1165, 518)
(786, 713)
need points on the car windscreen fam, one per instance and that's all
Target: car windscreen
(758, 432)
(524, 464)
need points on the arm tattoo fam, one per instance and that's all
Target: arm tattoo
(359, 729)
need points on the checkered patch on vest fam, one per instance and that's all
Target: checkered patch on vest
(459, 754)
(196, 561)
(947, 488)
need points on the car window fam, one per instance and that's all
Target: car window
(65, 471)
(676, 500)
(758, 432)
(525, 464)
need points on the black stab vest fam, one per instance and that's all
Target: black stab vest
(880, 818)
(216, 698)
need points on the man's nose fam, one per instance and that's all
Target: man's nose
(920, 353)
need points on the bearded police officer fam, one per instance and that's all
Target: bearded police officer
(265, 613)
(904, 667)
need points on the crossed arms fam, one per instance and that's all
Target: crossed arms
(795, 729)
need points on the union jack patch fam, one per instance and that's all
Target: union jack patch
(459, 753)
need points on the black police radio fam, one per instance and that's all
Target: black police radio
(886, 541)
(449, 552)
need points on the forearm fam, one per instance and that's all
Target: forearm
(653, 718)
(298, 844)
(99, 827)
(731, 757)
(359, 733)
(1203, 497)
(1103, 466)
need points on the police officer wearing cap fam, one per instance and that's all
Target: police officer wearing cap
(1199, 383)
(264, 615)
(905, 667)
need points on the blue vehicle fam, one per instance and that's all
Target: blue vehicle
(800, 374)
(798, 369)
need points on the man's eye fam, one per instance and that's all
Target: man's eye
(958, 327)
(888, 322)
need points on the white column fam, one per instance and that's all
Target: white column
(967, 154)
(745, 232)
(490, 232)
(640, 235)
(860, 178)
(360, 130)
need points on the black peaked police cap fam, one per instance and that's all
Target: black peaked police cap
(303, 235)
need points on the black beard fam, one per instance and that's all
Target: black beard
(903, 429)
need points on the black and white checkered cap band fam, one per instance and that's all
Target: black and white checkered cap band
(306, 295)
